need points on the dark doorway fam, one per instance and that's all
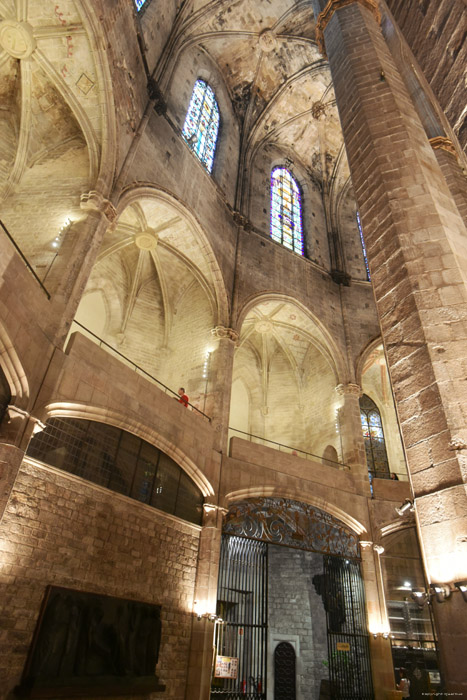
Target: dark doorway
(284, 672)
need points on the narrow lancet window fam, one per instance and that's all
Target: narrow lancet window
(202, 123)
(286, 210)
(360, 230)
(139, 4)
(375, 445)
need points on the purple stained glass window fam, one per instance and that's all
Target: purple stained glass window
(375, 446)
(202, 123)
(286, 211)
(360, 230)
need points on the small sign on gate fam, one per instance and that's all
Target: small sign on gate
(226, 667)
(343, 646)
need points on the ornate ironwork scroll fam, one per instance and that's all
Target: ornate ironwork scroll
(293, 524)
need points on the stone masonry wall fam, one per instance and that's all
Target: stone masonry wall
(295, 609)
(60, 530)
(443, 23)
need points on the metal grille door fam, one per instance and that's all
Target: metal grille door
(242, 604)
(348, 646)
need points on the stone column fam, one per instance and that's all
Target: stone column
(417, 251)
(350, 426)
(16, 429)
(71, 269)
(219, 384)
(380, 646)
(205, 601)
(454, 175)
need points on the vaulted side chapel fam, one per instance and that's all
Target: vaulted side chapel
(233, 349)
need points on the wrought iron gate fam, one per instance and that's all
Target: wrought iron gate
(341, 588)
(242, 604)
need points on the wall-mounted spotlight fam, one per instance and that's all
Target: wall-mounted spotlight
(420, 596)
(462, 587)
(442, 591)
(406, 507)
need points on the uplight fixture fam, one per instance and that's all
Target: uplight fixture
(406, 507)
(462, 587)
(420, 596)
(442, 591)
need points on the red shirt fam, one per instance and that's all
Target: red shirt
(184, 400)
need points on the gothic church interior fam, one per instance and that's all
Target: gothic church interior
(261, 206)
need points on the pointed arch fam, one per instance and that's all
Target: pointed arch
(13, 370)
(132, 425)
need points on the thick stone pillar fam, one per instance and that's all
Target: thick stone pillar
(205, 601)
(378, 625)
(417, 251)
(16, 429)
(453, 174)
(350, 426)
(77, 253)
(219, 383)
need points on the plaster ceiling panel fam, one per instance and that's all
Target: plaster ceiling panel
(274, 327)
(176, 233)
(237, 57)
(249, 15)
(300, 22)
(53, 128)
(40, 12)
(9, 115)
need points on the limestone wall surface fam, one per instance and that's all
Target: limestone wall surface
(59, 530)
(296, 614)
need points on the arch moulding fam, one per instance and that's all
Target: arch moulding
(138, 428)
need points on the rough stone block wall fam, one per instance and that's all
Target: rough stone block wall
(60, 530)
(436, 33)
(295, 609)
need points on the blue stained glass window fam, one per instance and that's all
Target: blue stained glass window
(139, 4)
(286, 210)
(202, 123)
(360, 230)
(375, 446)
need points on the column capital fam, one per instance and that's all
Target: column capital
(325, 17)
(221, 332)
(365, 544)
(349, 390)
(95, 201)
(213, 515)
(444, 143)
(379, 549)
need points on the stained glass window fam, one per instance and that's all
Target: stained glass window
(139, 4)
(360, 230)
(286, 211)
(375, 446)
(202, 123)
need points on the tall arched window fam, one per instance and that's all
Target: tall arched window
(360, 230)
(286, 210)
(202, 123)
(375, 446)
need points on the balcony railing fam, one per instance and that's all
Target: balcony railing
(296, 451)
(24, 259)
(126, 360)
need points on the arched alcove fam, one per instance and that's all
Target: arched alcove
(155, 292)
(373, 374)
(289, 366)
